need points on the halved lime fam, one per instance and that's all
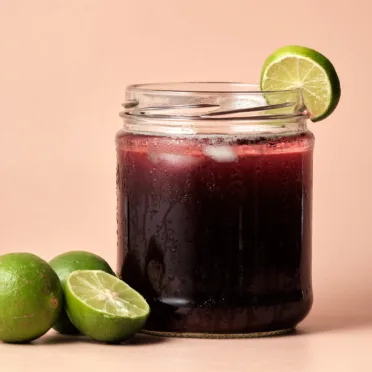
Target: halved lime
(300, 67)
(65, 264)
(103, 307)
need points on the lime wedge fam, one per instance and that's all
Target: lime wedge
(103, 307)
(293, 67)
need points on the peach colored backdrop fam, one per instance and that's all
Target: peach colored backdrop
(64, 65)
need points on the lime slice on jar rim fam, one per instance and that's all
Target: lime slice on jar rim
(292, 67)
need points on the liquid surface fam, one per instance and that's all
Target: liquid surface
(216, 232)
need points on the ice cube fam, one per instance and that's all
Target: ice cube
(173, 159)
(153, 157)
(222, 154)
(178, 159)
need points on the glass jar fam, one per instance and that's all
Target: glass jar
(214, 186)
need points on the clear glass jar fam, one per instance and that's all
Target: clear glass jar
(214, 186)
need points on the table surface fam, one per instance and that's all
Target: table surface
(332, 341)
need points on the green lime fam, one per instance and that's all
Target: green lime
(67, 263)
(30, 297)
(300, 67)
(103, 307)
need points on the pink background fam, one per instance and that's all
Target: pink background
(64, 66)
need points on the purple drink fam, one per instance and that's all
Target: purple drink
(215, 231)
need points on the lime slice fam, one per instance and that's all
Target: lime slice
(293, 67)
(103, 307)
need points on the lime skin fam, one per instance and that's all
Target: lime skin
(31, 297)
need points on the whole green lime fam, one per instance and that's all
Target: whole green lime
(64, 265)
(30, 297)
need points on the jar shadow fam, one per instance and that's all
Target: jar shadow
(338, 312)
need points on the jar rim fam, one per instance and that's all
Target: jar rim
(211, 101)
(204, 87)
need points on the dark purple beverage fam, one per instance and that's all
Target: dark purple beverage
(215, 232)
